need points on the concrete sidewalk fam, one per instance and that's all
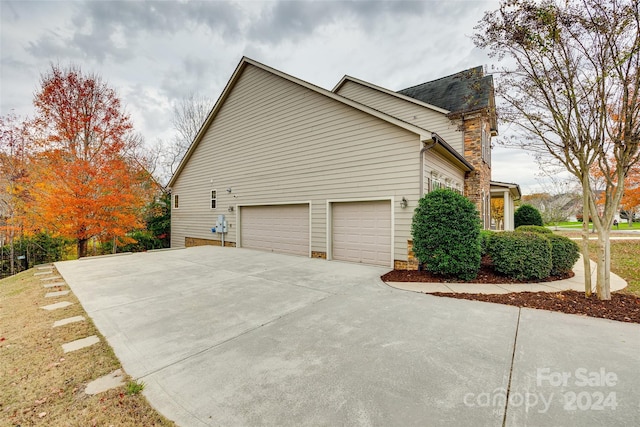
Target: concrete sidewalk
(575, 283)
(234, 337)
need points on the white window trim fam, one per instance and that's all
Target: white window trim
(212, 199)
(175, 205)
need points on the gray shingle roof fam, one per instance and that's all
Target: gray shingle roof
(467, 90)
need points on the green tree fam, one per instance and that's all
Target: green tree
(158, 219)
(527, 215)
(446, 234)
(573, 92)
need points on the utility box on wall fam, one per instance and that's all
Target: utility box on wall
(221, 224)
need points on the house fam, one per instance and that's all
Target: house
(295, 168)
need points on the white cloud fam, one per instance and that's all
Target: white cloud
(157, 52)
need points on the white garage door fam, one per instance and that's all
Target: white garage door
(276, 228)
(362, 232)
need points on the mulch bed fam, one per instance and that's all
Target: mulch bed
(485, 275)
(621, 307)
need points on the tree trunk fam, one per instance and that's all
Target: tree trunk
(603, 285)
(585, 234)
(82, 247)
(12, 253)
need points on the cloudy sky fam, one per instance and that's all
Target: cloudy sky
(157, 52)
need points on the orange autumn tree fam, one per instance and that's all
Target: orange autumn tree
(14, 181)
(497, 212)
(631, 198)
(86, 185)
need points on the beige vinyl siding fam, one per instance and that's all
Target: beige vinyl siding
(436, 165)
(274, 141)
(424, 117)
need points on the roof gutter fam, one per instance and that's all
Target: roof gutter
(426, 147)
(437, 140)
(459, 157)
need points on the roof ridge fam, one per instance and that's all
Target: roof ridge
(442, 78)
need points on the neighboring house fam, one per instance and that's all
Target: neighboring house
(330, 174)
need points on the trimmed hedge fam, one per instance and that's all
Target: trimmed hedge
(527, 215)
(485, 235)
(446, 229)
(521, 255)
(564, 254)
(534, 229)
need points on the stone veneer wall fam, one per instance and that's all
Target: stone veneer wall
(412, 261)
(479, 179)
(195, 241)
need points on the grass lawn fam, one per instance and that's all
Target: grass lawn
(578, 225)
(625, 262)
(39, 383)
(625, 259)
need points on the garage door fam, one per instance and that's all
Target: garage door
(276, 228)
(362, 232)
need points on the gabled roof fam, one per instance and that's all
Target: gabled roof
(466, 91)
(424, 134)
(389, 92)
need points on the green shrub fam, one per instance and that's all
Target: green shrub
(520, 255)
(485, 235)
(564, 254)
(527, 215)
(144, 241)
(446, 228)
(534, 229)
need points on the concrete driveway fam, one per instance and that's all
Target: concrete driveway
(235, 337)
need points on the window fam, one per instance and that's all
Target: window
(214, 199)
(175, 201)
(486, 146)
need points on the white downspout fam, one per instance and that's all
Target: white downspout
(425, 148)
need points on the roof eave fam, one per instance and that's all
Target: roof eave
(232, 81)
(451, 153)
(513, 188)
(347, 78)
(216, 107)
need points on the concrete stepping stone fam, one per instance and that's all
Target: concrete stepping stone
(56, 294)
(61, 304)
(44, 267)
(68, 320)
(43, 273)
(107, 382)
(51, 278)
(54, 285)
(81, 343)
